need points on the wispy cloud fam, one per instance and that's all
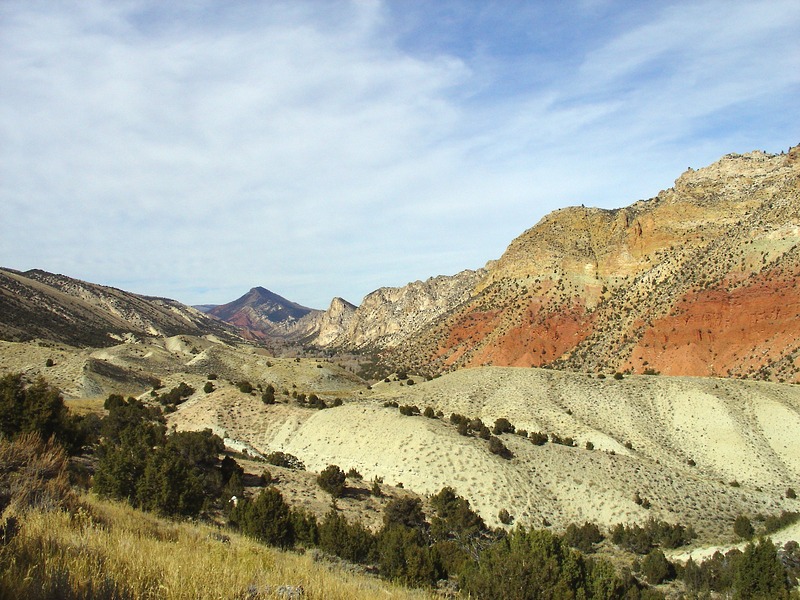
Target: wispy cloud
(325, 149)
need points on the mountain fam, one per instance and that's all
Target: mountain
(262, 314)
(390, 315)
(385, 318)
(38, 304)
(699, 280)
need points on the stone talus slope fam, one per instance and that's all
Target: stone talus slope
(700, 280)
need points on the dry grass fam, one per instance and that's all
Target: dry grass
(84, 406)
(33, 473)
(109, 550)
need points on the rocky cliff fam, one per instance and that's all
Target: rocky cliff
(390, 315)
(699, 280)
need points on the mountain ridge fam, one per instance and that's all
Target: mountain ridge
(697, 280)
(39, 304)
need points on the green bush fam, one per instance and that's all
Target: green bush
(33, 408)
(502, 425)
(305, 526)
(454, 517)
(773, 524)
(268, 396)
(759, 574)
(332, 480)
(656, 568)
(583, 537)
(505, 517)
(267, 518)
(526, 566)
(537, 438)
(456, 419)
(743, 528)
(405, 557)
(176, 395)
(641, 540)
(285, 460)
(113, 401)
(499, 448)
(350, 541)
(404, 511)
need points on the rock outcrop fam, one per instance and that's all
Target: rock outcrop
(699, 280)
(391, 315)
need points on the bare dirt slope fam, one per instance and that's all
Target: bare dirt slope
(738, 436)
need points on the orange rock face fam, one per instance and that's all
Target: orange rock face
(717, 332)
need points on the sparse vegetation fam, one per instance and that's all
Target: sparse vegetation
(498, 447)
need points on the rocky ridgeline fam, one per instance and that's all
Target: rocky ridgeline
(700, 280)
(388, 316)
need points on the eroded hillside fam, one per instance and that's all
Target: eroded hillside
(700, 280)
(701, 451)
(38, 304)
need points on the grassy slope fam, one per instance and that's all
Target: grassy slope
(109, 550)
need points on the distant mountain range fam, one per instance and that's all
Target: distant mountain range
(699, 280)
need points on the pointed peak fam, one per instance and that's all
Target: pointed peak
(341, 303)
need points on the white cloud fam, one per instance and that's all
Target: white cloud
(301, 146)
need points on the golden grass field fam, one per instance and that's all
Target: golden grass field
(109, 550)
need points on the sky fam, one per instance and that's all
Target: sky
(196, 149)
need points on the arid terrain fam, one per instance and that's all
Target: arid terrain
(612, 367)
(701, 451)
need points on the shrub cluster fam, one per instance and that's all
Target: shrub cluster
(537, 564)
(583, 537)
(285, 460)
(565, 441)
(759, 571)
(39, 408)
(498, 447)
(773, 523)
(175, 396)
(502, 425)
(641, 540)
(268, 395)
(176, 474)
(332, 480)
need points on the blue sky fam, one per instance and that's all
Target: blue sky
(327, 148)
